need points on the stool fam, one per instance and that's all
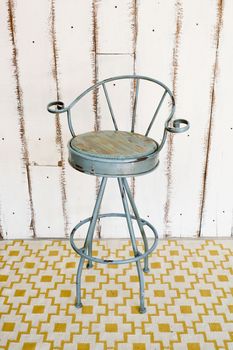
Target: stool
(118, 154)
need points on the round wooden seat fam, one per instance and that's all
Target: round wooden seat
(113, 153)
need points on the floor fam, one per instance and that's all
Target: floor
(189, 297)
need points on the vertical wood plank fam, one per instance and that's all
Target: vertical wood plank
(36, 40)
(16, 206)
(75, 60)
(193, 92)
(217, 216)
(49, 220)
(35, 56)
(154, 51)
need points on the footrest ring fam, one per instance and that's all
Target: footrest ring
(106, 261)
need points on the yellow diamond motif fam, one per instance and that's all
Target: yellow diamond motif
(156, 265)
(112, 293)
(213, 252)
(230, 307)
(59, 327)
(215, 327)
(29, 265)
(197, 264)
(65, 293)
(179, 278)
(222, 278)
(194, 346)
(14, 253)
(29, 346)
(139, 346)
(3, 278)
(112, 266)
(159, 293)
(185, 309)
(111, 327)
(83, 346)
(90, 278)
(87, 309)
(8, 327)
(70, 264)
(134, 309)
(134, 278)
(174, 252)
(19, 292)
(53, 253)
(205, 293)
(46, 279)
(164, 327)
(38, 309)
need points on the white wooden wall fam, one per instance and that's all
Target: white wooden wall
(54, 49)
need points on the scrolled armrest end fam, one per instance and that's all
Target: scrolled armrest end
(60, 107)
(177, 126)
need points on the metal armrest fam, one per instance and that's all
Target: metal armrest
(61, 109)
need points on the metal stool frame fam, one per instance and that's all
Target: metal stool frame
(86, 251)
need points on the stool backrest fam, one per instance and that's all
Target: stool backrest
(137, 78)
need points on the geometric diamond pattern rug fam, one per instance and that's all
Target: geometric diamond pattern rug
(188, 294)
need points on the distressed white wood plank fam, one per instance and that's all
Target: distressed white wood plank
(154, 50)
(114, 32)
(49, 221)
(35, 54)
(14, 197)
(218, 205)
(193, 98)
(121, 104)
(75, 60)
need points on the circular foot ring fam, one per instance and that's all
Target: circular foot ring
(81, 251)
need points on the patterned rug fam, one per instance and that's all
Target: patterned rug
(189, 297)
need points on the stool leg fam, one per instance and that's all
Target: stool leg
(78, 283)
(89, 244)
(88, 240)
(142, 308)
(141, 228)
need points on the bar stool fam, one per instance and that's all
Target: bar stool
(118, 154)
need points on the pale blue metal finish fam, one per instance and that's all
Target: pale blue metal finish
(135, 105)
(106, 161)
(89, 238)
(140, 225)
(110, 106)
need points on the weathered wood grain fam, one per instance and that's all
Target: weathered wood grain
(154, 53)
(114, 27)
(47, 200)
(15, 192)
(76, 72)
(193, 99)
(217, 209)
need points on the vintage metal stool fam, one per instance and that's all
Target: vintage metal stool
(118, 154)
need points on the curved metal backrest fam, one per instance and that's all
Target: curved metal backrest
(176, 124)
